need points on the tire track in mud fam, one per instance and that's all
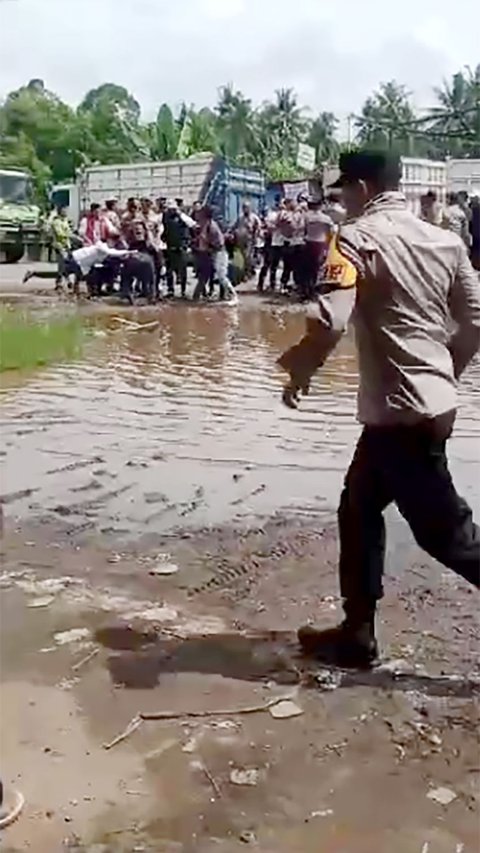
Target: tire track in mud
(238, 573)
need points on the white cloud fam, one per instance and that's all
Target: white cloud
(332, 54)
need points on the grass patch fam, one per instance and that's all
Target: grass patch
(27, 341)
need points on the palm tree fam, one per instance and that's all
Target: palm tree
(291, 124)
(456, 119)
(321, 136)
(387, 119)
(235, 123)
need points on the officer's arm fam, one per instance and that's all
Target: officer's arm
(327, 319)
(465, 310)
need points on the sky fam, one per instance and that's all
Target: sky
(333, 54)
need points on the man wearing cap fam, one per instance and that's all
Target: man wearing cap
(177, 228)
(403, 281)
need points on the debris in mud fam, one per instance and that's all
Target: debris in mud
(85, 660)
(191, 745)
(73, 635)
(164, 567)
(132, 326)
(155, 497)
(41, 602)
(285, 709)
(133, 725)
(240, 776)
(248, 837)
(48, 586)
(10, 807)
(158, 613)
(396, 667)
(327, 679)
(137, 463)
(199, 765)
(444, 796)
(322, 813)
(136, 721)
(67, 683)
(114, 558)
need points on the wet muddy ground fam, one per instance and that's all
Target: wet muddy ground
(168, 526)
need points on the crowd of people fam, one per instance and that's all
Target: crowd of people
(460, 214)
(296, 235)
(146, 248)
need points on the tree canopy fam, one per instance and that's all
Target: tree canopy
(40, 132)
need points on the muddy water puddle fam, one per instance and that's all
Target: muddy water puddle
(182, 424)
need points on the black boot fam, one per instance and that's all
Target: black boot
(351, 644)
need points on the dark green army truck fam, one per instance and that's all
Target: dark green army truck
(20, 218)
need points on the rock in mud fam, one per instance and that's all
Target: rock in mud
(74, 635)
(163, 568)
(444, 796)
(239, 776)
(285, 709)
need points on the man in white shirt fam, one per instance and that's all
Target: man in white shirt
(82, 261)
(86, 257)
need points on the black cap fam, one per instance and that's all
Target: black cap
(380, 167)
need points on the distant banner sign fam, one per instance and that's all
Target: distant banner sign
(293, 190)
(306, 156)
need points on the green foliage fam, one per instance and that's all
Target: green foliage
(41, 133)
(27, 343)
(387, 117)
(163, 135)
(322, 137)
(449, 129)
(455, 122)
(198, 134)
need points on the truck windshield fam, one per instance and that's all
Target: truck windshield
(15, 188)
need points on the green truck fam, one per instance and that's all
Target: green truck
(20, 219)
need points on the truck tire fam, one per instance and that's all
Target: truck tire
(13, 254)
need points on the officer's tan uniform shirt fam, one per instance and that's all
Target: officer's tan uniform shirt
(414, 299)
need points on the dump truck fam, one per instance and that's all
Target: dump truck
(464, 176)
(20, 218)
(419, 176)
(203, 177)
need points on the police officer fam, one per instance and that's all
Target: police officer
(407, 280)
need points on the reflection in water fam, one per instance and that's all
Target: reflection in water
(183, 424)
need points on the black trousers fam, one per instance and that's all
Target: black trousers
(176, 263)
(293, 264)
(406, 465)
(272, 255)
(139, 268)
(205, 274)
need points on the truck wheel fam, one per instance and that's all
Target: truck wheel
(13, 254)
